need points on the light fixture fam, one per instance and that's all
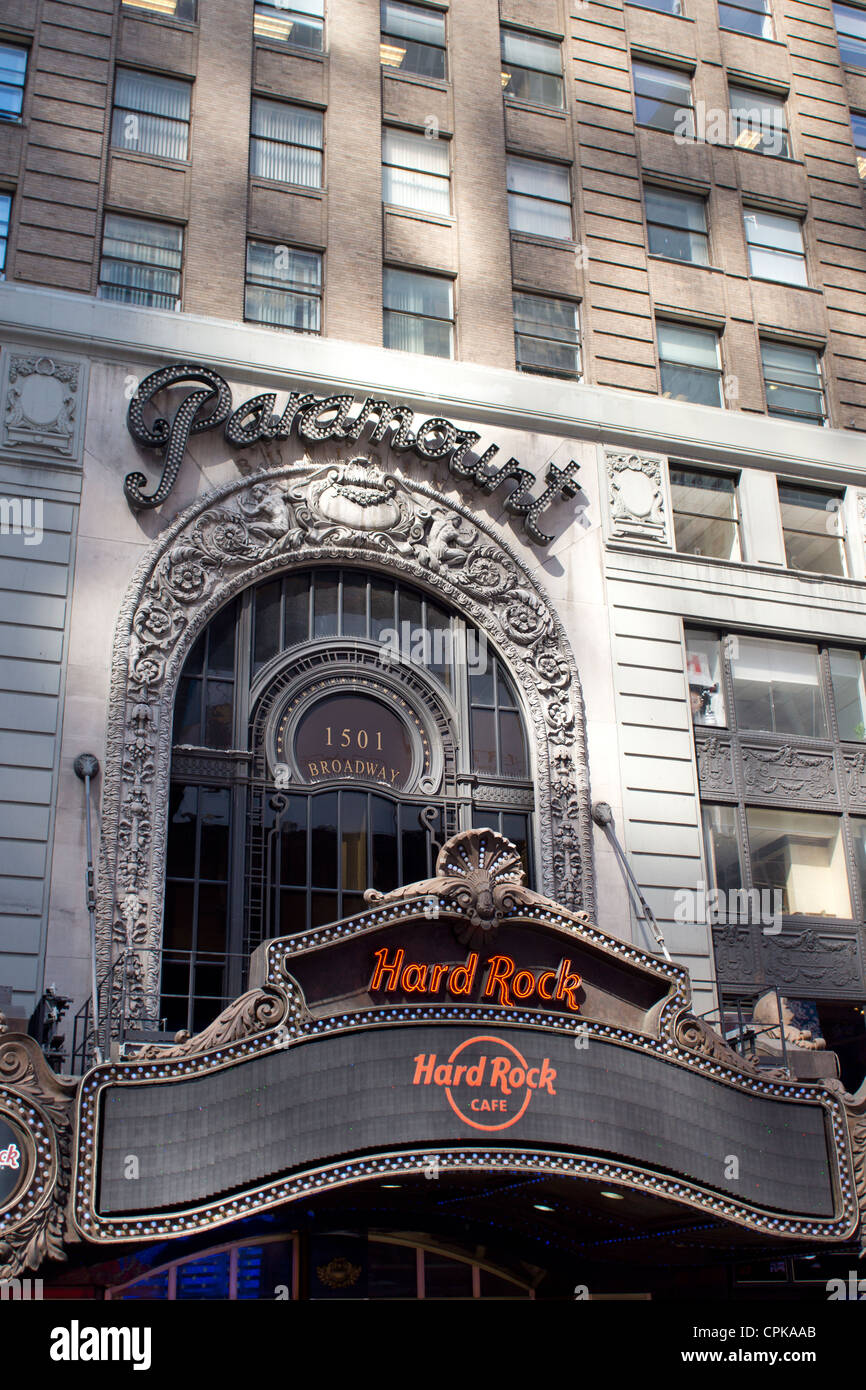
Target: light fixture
(542, 1206)
(613, 1196)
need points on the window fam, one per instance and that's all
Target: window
(849, 693)
(792, 380)
(813, 529)
(759, 123)
(174, 9)
(851, 33)
(531, 68)
(546, 336)
(689, 363)
(242, 865)
(284, 287)
(141, 262)
(677, 225)
(674, 7)
(415, 172)
(858, 132)
(419, 313)
(777, 686)
(13, 70)
(787, 842)
(286, 143)
(802, 857)
(413, 39)
(539, 198)
(705, 513)
(747, 17)
(5, 217)
(663, 98)
(776, 249)
(151, 114)
(296, 22)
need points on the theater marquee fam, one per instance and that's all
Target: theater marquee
(464, 1022)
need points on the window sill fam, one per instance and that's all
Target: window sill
(187, 26)
(275, 46)
(651, 9)
(560, 112)
(154, 161)
(438, 219)
(761, 38)
(414, 79)
(257, 181)
(536, 239)
(785, 285)
(675, 260)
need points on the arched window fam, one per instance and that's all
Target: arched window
(332, 728)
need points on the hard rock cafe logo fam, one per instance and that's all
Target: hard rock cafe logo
(10, 1157)
(487, 1082)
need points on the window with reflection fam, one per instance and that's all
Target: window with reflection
(777, 686)
(250, 855)
(813, 528)
(802, 857)
(706, 518)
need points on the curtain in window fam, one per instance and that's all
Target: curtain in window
(151, 114)
(417, 313)
(415, 172)
(286, 143)
(539, 198)
(141, 262)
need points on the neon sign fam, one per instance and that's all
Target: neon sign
(504, 983)
(472, 1088)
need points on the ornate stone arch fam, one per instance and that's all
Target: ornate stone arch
(290, 517)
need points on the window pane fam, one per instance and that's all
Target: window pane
(674, 7)
(803, 857)
(413, 40)
(775, 247)
(415, 172)
(483, 740)
(214, 809)
(705, 513)
(286, 143)
(323, 840)
(325, 600)
(858, 133)
(151, 114)
(446, 1278)
(532, 68)
(13, 67)
(299, 24)
(747, 17)
(722, 847)
(354, 840)
(849, 696)
(677, 226)
(5, 216)
(812, 528)
(777, 686)
(792, 377)
(851, 30)
(546, 335)
(663, 98)
(689, 364)
(417, 294)
(759, 122)
(140, 262)
(858, 830)
(539, 179)
(704, 670)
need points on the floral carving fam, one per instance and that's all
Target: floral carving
(290, 517)
(789, 771)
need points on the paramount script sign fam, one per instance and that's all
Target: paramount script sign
(316, 418)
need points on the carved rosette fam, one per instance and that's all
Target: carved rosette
(287, 519)
(36, 1227)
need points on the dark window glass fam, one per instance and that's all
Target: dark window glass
(413, 39)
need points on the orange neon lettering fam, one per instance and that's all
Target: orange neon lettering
(547, 976)
(414, 979)
(501, 969)
(523, 984)
(386, 967)
(436, 973)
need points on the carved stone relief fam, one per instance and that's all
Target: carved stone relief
(638, 506)
(789, 772)
(715, 768)
(287, 519)
(43, 405)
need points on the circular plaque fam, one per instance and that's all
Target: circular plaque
(356, 737)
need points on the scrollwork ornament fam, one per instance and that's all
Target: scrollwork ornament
(292, 517)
